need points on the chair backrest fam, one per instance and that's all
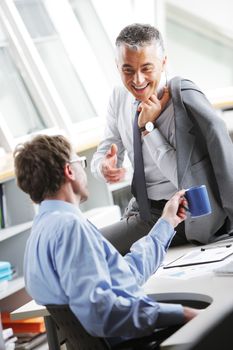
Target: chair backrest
(71, 332)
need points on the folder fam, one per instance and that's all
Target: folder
(30, 325)
(202, 255)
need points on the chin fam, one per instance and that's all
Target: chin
(84, 197)
(143, 96)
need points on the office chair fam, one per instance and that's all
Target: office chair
(71, 333)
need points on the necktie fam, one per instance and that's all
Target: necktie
(138, 186)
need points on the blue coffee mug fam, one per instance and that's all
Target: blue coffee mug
(198, 201)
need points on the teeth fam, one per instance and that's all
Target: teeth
(140, 87)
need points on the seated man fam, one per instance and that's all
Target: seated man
(68, 261)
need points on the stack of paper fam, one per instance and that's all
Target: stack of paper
(30, 341)
(29, 332)
(2, 345)
(9, 338)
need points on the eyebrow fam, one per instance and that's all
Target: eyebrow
(144, 65)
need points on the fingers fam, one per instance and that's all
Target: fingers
(151, 109)
(113, 175)
(112, 151)
(154, 98)
(173, 211)
(110, 159)
(183, 205)
(178, 197)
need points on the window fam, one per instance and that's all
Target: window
(16, 105)
(56, 60)
(19, 115)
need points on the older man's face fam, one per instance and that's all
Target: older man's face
(140, 70)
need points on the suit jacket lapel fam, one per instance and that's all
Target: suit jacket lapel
(183, 127)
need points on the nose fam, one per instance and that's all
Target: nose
(138, 78)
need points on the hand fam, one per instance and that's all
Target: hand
(151, 109)
(174, 211)
(109, 168)
(190, 313)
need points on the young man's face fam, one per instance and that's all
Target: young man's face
(140, 70)
(80, 182)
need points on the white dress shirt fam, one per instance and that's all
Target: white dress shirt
(158, 147)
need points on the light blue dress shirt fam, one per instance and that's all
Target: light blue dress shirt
(68, 261)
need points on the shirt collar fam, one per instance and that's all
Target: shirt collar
(59, 205)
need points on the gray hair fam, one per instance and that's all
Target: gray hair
(139, 35)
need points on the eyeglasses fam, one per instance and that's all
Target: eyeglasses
(81, 160)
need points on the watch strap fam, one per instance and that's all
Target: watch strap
(142, 129)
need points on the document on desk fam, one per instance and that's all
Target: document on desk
(202, 256)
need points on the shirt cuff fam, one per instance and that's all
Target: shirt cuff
(163, 231)
(155, 139)
(170, 315)
(96, 169)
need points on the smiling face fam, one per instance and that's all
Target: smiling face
(140, 69)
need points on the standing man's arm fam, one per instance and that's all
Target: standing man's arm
(159, 148)
(107, 161)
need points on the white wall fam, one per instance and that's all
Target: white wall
(214, 11)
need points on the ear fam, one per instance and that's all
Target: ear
(69, 172)
(117, 57)
(164, 62)
(117, 64)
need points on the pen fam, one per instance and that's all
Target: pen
(217, 246)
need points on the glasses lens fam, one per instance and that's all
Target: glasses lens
(81, 160)
(84, 162)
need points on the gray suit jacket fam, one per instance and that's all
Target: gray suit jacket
(204, 156)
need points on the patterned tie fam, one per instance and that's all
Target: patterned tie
(138, 186)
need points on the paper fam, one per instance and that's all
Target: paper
(187, 272)
(225, 270)
(202, 256)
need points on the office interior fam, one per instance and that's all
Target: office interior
(57, 73)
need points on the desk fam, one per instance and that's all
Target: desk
(207, 288)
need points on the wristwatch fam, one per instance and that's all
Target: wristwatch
(149, 126)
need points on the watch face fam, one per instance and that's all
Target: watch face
(149, 126)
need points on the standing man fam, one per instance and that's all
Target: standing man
(183, 143)
(68, 261)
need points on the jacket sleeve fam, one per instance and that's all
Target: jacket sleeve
(218, 141)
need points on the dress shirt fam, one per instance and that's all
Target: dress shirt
(158, 147)
(68, 261)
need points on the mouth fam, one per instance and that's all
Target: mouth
(140, 89)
